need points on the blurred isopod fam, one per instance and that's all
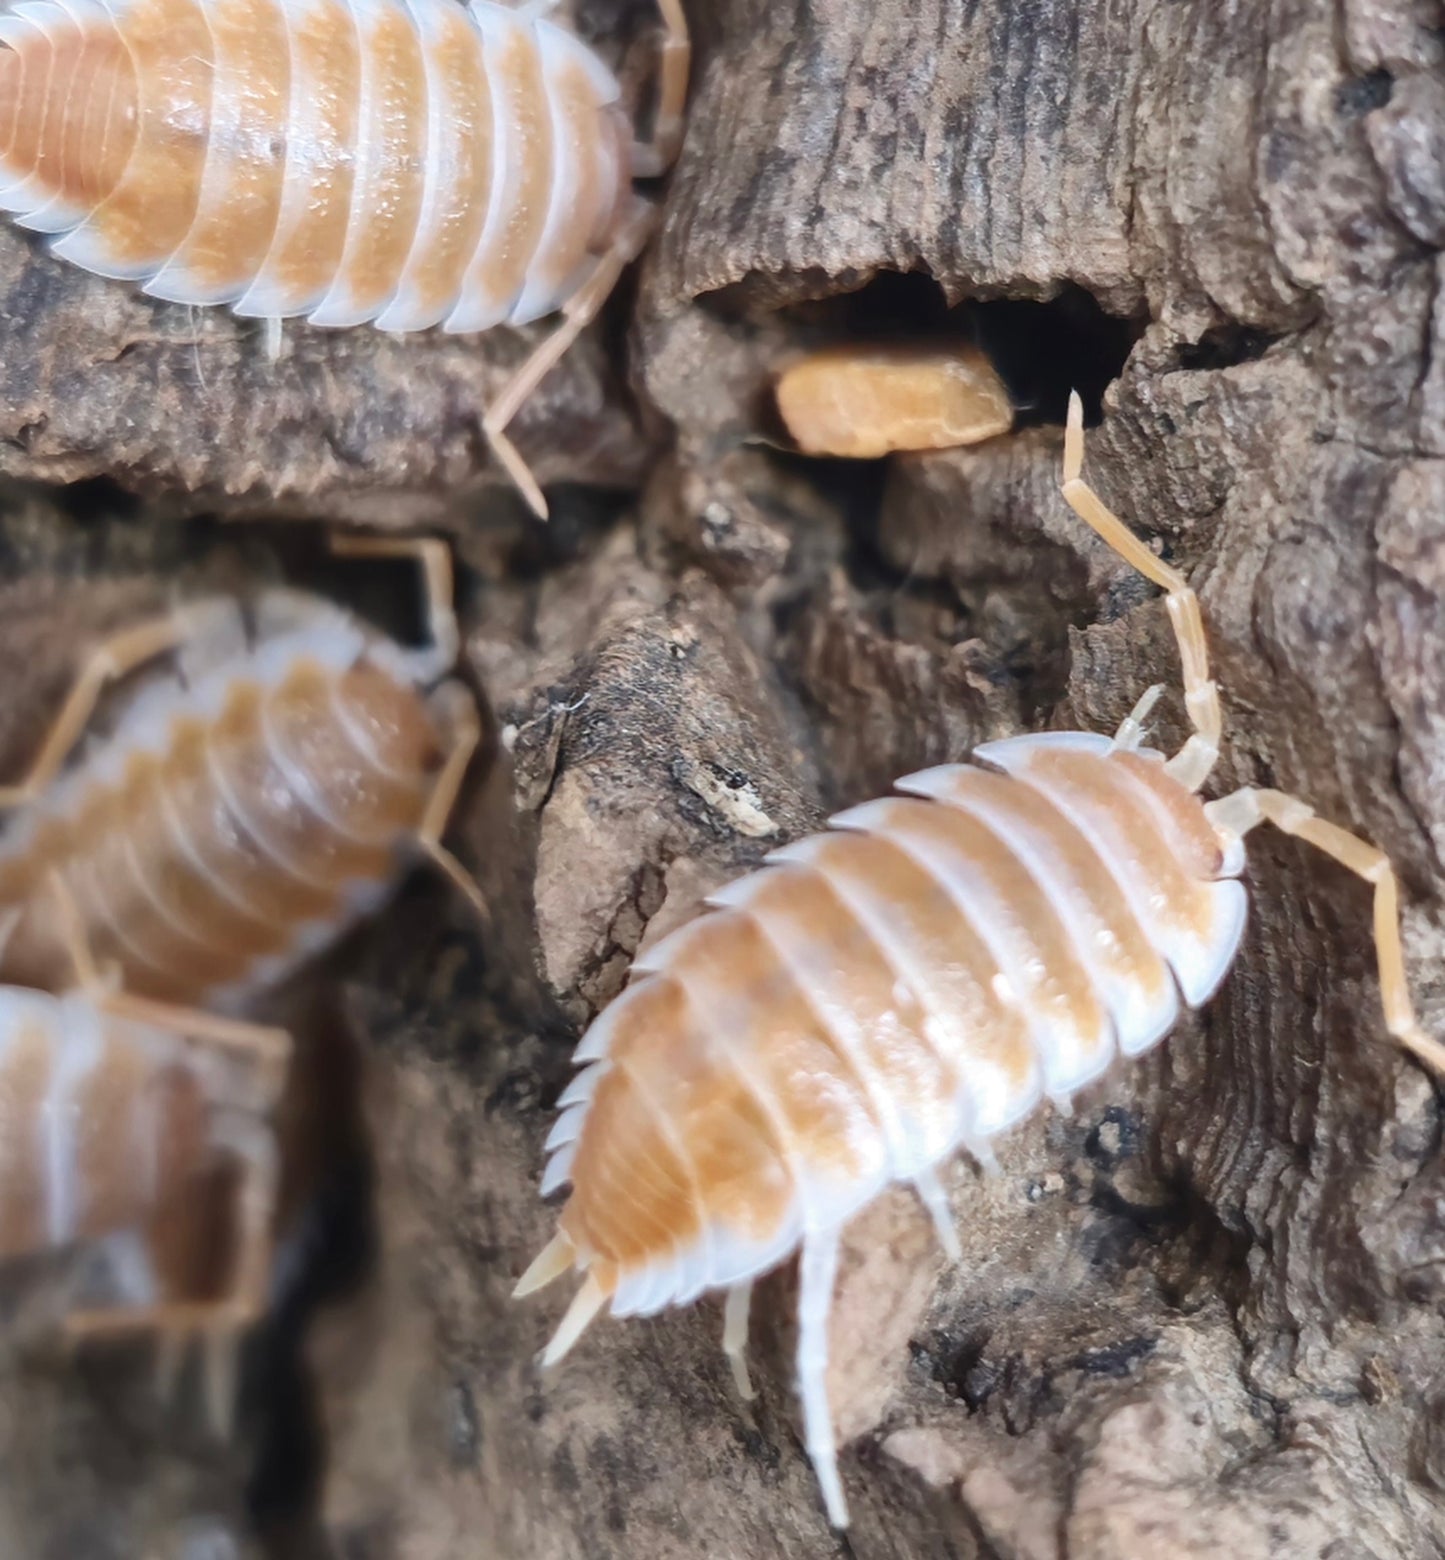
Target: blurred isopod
(141, 1132)
(262, 787)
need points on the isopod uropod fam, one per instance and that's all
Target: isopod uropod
(406, 162)
(248, 804)
(115, 1116)
(909, 983)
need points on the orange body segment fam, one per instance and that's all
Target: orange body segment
(246, 150)
(316, 194)
(386, 200)
(25, 1071)
(146, 216)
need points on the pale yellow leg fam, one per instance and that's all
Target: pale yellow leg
(466, 736)
(178, 1318)
(1238, 813)
(217, 1324)
(268, 1051)
(654, 157)
(265, 1048)
(1192, 764)
(116, 658)
(577, 313)
(434, 558)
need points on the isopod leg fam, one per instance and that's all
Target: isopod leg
(577, 313)
(216, 1324)
(466, 735)
(1192, 764)
(933, 1197)
(267, 1049)
(654, 157)
(116, 658)
(819, 1270)
(433, 557)
(735, 1337)
(1238, 813)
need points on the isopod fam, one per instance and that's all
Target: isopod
(252, 800)
(116, 1116)
(405, 162)
(910, 983)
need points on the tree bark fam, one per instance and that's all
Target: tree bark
(1202, 1316)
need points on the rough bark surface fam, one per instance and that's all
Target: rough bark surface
(1202, 1316)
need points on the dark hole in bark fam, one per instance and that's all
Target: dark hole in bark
(963, 1370)
(1362, 94)
(1226, 346)
(326, 1247)
(1042, 350)
(97, 499)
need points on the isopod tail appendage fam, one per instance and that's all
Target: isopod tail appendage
(935, 1201)
(1193, 763)
(557, 1257)
(586, 1303)
(735, 1337)
(818, 1271)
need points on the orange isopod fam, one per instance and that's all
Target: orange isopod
(249, 803)
(406, 162)
(910, 983)
(116, 1118)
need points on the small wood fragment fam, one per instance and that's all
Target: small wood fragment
(864, 402)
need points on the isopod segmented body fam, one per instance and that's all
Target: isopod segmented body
(114, 1130)
(248, 804)
(405, 162)
(910, 983)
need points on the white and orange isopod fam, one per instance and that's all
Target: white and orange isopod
(405, 162)
(262, 785)
(141, 1132)
(911, 982)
